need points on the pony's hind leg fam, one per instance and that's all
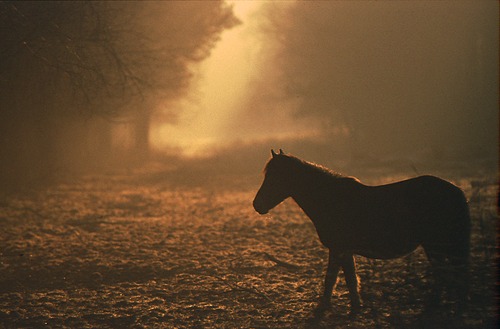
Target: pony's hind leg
(450, 271)
(437, 260)
(459, 283)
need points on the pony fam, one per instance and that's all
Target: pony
(383, 222)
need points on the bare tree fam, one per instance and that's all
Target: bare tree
(64, 62)
(403, 78)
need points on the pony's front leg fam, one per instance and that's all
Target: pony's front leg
(330, 279)
(349, 267)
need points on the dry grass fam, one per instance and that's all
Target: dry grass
(144, 250)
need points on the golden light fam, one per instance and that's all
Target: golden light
(216, 91)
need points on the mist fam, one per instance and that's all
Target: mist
(374, 81)
(133, 137)
(347, 84)
(80, 81)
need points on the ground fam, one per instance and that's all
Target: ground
(152, 248)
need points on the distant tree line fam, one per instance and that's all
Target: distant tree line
(69, 68)
(392, 79)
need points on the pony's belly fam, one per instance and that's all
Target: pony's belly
(386, 252)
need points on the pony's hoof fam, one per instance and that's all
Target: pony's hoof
(354, 311)
(355, 308)
(324, 304)
(320, 310)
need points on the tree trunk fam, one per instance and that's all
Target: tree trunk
(142, 122)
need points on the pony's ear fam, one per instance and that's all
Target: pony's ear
(273, 153)
(281, 152)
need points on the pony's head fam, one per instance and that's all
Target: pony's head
(276, 185)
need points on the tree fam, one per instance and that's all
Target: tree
(401, 77)
(66, 62)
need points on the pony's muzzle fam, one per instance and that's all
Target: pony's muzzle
(258, 208)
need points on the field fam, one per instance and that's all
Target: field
(154, 249)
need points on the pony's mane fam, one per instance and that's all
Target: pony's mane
(309, 167)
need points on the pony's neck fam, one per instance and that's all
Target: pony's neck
(306, 191)
(308, 178)
(312, 183)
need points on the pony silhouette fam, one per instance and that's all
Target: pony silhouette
(383, 222)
